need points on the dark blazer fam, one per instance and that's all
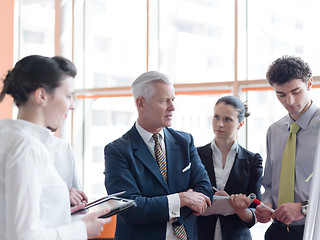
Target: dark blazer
(245, 177)
(131, 167)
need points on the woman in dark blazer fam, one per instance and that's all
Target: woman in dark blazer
(233, 170)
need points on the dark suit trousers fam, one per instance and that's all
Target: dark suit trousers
(279, 231)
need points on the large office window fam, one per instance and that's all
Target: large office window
(270, 29)
(35, 36)
(106, 119)
(197, 40)
(112, 41)
(194, 42)
(209, 48)
(111, 52)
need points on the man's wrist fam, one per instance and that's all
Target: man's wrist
(304, 207)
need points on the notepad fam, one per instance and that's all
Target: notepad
(220, 205)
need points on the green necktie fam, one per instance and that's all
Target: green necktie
(286, 186)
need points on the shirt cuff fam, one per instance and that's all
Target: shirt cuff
(174, 206)
(267, 198)
(253, 210)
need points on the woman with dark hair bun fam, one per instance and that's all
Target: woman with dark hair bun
(233, 171)
(33, 197)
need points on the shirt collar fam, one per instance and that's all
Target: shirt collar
(32, 129)
(234, 146)
(304, 120)
(147, 136)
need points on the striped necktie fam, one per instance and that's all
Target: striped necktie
(160, 157)
(287, 176)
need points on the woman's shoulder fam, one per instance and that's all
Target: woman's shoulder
(204, 147)
(18, 143)
(250, 154)
(203, 150)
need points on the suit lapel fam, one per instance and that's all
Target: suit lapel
(235, 173)
(172, 152)
(142, 154)
(206, 158)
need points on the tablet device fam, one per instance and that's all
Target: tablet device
(115, 204)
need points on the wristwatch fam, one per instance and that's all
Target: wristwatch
(304, 207)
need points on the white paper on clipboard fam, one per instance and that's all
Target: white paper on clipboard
(220, 205)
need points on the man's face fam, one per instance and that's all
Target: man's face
(156, 113)
(294, 96)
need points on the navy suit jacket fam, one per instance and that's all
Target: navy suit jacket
(245, 177)
(130, 166)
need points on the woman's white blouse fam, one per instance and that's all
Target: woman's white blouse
(34, 200)
(64, 161)
(222, 174)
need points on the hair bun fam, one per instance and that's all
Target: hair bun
(246, 108)
(8, 86)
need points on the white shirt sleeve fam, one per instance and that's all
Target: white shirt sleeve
(72, 231)
(174, 206)
(30, 179)
(267, 176)
(75, 180)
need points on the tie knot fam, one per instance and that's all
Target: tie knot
(294, 128)
(156, 137)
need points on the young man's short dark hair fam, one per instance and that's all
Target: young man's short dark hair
(287, 68)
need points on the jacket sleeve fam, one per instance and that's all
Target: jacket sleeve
(255, 182)
(255, 176)
(119, 177)
(199, 179)
(199, 176)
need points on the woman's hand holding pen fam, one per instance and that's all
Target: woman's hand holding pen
(239, 202)
(219, 192)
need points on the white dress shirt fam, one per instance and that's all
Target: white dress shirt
(64, 161)
(173, 199)
(34, 200)
(222, 174)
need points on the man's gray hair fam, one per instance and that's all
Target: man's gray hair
(143, 85)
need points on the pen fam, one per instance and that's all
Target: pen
(308, 178)
(216, 189)
(256, 201)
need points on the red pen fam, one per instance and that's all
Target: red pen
(256, 201)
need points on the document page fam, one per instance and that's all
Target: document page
(220, 205)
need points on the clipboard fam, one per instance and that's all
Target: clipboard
(112, 202)
(220, 205)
